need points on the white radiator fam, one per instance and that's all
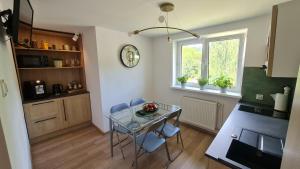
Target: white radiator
(199, 112)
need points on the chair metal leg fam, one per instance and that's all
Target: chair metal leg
(135, 151)
(167, 150)
(121, 148)
(121, 141)
(111, 134)
(181, 139)
(178, 154)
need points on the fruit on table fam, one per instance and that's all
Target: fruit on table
(150, 107)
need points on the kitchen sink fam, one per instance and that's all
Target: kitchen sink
(256, 150)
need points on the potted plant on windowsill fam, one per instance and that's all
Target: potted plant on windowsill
(182, 80)
(223, 82)
(202, 83)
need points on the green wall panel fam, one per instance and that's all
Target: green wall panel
(255, 82)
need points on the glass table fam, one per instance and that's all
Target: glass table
(135, 123)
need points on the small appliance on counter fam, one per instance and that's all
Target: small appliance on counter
(74, 87)
(34, 89)
(27, 61)
(281, 99)
(57, 89)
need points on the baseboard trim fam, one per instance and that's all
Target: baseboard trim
(100, 131)
(210, 132)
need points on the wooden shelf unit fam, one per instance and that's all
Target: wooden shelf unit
(47, 68)
(52, 75)
(46, 50)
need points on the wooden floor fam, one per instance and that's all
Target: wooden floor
(89, 149)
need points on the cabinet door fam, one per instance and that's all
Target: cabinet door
(77, 109)
(43, 117)
(283, 59)
(271, 42)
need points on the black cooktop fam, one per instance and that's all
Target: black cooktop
(263, 111)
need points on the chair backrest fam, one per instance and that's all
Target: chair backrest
(154, 127)
(119, 107)
(173, 115)
(137, 101)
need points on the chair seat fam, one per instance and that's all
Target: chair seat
(151, 143)
(121, 129)
(169, 130)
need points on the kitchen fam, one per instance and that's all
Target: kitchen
(248, 139)
(65, 85)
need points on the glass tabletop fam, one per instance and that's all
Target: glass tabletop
(132, 121)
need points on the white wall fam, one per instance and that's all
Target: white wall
(107, 78)
(162, 57)
(91, 62)
(11, 110)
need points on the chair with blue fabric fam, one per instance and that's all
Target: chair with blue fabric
(170, 130)
(137, 101)
(149, 141)
(117, 128)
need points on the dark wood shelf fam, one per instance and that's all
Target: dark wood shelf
(47, 50)
(49, 68)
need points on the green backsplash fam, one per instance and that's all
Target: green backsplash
(255, 82)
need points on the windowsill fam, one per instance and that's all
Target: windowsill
(209, 91)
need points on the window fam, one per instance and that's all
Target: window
(211, 58)
(191, 61)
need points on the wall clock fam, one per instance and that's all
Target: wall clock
(130, 56)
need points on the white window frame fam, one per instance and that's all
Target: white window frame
(205, 58)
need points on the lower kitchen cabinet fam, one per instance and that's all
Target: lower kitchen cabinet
(77, 109)
(45, 117)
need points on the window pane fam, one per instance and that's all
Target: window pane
(223, 59)
(191, 61)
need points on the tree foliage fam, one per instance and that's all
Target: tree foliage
(222, 60)
(191, 62)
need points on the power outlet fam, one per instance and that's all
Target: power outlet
(259, 97)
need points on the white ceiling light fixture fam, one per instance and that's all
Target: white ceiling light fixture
(165, 7)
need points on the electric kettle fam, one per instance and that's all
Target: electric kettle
(281, 99)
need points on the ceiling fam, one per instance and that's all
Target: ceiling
(129, 15)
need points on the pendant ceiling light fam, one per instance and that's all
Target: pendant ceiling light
(165, 7)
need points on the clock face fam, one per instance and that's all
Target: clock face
(130, 56)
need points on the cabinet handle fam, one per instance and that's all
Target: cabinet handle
(45, 120)
(64, 110)
(42, 103)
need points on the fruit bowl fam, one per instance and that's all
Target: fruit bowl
(150, 107)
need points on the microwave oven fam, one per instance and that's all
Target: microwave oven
(27, 61)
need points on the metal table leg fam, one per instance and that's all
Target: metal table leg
(111, 138)
(135, 151)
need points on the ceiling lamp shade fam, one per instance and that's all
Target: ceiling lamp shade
(165, 7)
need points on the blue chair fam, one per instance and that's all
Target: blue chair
(137, 101)
(117, 128)
(119, 107)
(170, 130)
(150, 141)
